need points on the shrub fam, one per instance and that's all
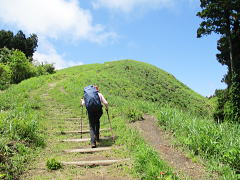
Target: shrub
(40, 70)
(21, 67)
(44, 69)
(5, 76)
(49, 68)
(53, 164)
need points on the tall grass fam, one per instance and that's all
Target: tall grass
(19, 126)
(218, 143)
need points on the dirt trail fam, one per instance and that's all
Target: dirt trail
(160, 140)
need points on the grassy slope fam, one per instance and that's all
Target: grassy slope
(19, 126)
(131, 87)
(133, 80)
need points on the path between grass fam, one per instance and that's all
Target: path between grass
(56, 122)
(161, 141)
(60, 118)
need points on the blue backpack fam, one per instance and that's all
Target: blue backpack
(91, 98)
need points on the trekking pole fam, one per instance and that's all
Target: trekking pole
(81, 122)
(110, 124)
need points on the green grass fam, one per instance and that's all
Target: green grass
(217, 143)
(132, 89)
(19, 126)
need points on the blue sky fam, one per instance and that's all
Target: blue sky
(159, 32)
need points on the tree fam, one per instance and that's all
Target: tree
(5, 38)
(223, 17)
(31, 45)
(19, 41)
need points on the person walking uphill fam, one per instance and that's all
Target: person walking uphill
(93, 101)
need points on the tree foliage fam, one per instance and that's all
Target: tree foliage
(16, 62)
(20, 66)
(5, 38)
(5, 55)
(5, 76)
(15, 67)
(19, 41)
(223, 17)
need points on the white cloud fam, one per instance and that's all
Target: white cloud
(58, 19)
(53, 18)
(56, 59)
(129, 5)
(49, 54)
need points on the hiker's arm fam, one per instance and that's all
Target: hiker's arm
(103, 100)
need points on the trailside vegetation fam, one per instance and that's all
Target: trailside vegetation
(15, 67)
(53, 164)
(132, 89)
(223, 17)
(16, 62)
(20, 133)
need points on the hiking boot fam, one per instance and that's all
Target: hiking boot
(93, 145)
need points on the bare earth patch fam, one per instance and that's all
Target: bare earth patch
(52, 85)
(160, 140)
(63, 90)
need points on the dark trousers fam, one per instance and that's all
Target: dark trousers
(94, 124)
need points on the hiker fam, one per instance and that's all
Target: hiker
(93, 101)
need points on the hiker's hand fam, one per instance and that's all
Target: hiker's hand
(82, 102)
(106, 109)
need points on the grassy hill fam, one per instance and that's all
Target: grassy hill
(135, 80)
(132, 89)
(132, 80)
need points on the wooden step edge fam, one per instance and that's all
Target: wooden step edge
(72, 119)
(85, 127)
(88, 150)
(67, 119)
(83, 131)
(85, 139)
(95, 163)
(76, 140)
